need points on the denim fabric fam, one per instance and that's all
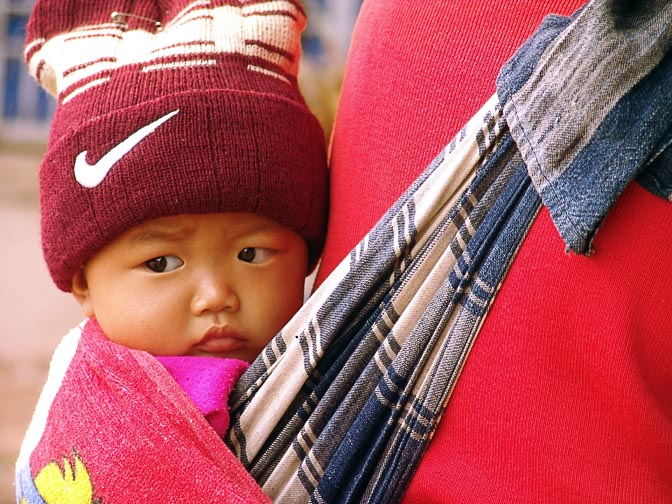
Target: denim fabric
(588, 103)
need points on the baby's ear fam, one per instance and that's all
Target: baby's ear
(80, 289)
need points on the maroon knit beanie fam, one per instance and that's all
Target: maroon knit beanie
(169, 107)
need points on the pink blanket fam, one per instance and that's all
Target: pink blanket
(112, 426)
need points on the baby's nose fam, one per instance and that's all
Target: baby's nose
(214, 295)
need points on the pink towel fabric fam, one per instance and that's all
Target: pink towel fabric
(113, 426)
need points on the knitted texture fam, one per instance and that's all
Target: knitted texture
(168, 108)
(392, 117)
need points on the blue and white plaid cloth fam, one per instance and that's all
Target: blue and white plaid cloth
(343, 402)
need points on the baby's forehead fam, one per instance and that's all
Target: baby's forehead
(163, 228)
(186, 225)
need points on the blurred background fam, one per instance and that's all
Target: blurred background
(33, 313)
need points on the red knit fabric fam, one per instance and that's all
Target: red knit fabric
(567, 393)
(201, 116)
(416, 72)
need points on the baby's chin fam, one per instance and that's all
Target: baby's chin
(247, 356)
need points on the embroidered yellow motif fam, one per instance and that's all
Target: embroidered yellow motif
(70, 484)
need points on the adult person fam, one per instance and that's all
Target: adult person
(566, 395)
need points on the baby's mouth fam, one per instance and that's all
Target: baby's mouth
(220, 339)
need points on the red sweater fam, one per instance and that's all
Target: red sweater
(567, 393)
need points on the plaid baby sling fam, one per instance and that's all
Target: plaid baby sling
(360, 377)
(340, 407)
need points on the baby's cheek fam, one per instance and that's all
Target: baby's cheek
(128, 326)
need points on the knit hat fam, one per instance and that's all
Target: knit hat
(169, 107)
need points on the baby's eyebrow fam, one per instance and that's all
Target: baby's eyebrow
(161, 234)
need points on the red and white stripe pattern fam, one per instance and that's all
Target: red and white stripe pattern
(266, 32)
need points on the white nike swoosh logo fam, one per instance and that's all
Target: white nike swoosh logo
(90, 175)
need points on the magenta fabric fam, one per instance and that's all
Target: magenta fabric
(207, 381)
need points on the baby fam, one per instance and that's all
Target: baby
(184, 189)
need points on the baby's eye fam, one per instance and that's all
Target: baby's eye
(254, 255)
(164, 264)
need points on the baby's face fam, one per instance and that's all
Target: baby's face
(216, 284)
